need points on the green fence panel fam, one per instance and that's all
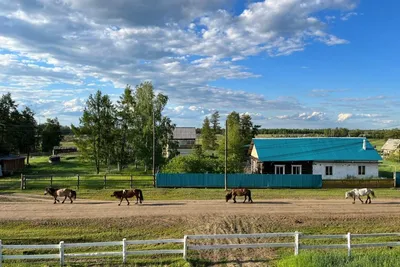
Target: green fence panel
(397, 178)
(239, 180)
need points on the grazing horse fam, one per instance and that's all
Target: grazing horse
(55, 192)
(128, 193)
(239, 192)
(360, 192)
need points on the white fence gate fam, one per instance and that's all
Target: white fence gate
(296, 245)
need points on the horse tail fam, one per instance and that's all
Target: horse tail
(140, 195)
(249, 194)
(372, 193)
(73, 194)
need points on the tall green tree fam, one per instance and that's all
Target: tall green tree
(51, 134)
(207, 135)
(148, 109)
(27, 132)
(216, 129)
(94, 136)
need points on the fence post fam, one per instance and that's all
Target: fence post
(348, 244)
(22, 181)
(105, 181)
(131, 181)
(78, 182)
(1, 254)
(124, 250)
(62, 253)
(51, 180)
(185, 238)
(296, 243)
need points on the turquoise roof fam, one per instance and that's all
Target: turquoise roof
(315, 149)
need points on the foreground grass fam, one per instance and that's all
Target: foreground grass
(374, 257)
(162, 227)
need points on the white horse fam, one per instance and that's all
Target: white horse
(360, 192)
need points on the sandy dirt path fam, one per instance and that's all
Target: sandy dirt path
(43, 208)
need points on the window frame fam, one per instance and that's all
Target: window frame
(295, 167)
(329, 170)
(361, 169)
(280, 166)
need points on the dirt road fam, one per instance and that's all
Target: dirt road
(22, 207)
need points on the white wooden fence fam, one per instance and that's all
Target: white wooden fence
(296, 245)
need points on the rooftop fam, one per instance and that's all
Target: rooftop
(184, 133)
(314, 149)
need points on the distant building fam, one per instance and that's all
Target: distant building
(185, 137)
(331, 157)
(390, 146)
(10, 164)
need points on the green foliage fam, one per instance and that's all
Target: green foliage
(51, 135)
(215, 123)
(208, 137)
(372, 258)
(193, 163)
(95, 136)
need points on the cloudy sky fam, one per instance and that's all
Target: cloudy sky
(288, 63)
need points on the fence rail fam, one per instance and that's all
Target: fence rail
(84, 181)
(296, 245)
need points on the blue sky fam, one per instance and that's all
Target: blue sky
(288, 63)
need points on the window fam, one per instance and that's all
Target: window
(328, 170)
(361, 170)
(279, 169)
(296, 169)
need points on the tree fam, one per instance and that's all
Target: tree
(95, 135)
(27, 132)
(207, 136)
(145, 103)
(51, 134)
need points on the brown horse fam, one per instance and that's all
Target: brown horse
(239, 192)
(128, 193)
(55, 192)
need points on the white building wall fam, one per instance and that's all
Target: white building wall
(344, 170)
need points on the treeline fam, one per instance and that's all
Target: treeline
(240, 131)
(334, 132)
(20, 132)
(122, 133)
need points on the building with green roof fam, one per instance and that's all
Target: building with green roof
(331, 157)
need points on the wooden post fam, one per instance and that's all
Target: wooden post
(296, 243)
(185, 238)
(51, 180)
(22, 181)
(62, 253)
(105, 181)
(1, 254)
(78, 182)
(348, 244)
(124, 250)
(131, 181)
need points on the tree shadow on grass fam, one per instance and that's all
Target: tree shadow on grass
(206, 263)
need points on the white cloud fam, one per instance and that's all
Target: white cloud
(344, 116)
(306, 116)
(348, 15)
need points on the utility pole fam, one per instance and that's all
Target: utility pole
(154, 148)
(226, 153)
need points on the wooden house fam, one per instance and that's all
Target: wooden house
(331, 157)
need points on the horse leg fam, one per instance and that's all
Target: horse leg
(245, 197)
(354, 200)
(127, 201)
(368, 199)
(234, 198)
(64, 200)
(70, 198)
(55, 199)
(362, 202)
(120, 200)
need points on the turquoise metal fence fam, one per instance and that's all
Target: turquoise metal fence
(397, 179)
(238, 180)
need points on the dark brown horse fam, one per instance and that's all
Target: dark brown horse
(55, 192)
(128, 193)
(239, 192)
